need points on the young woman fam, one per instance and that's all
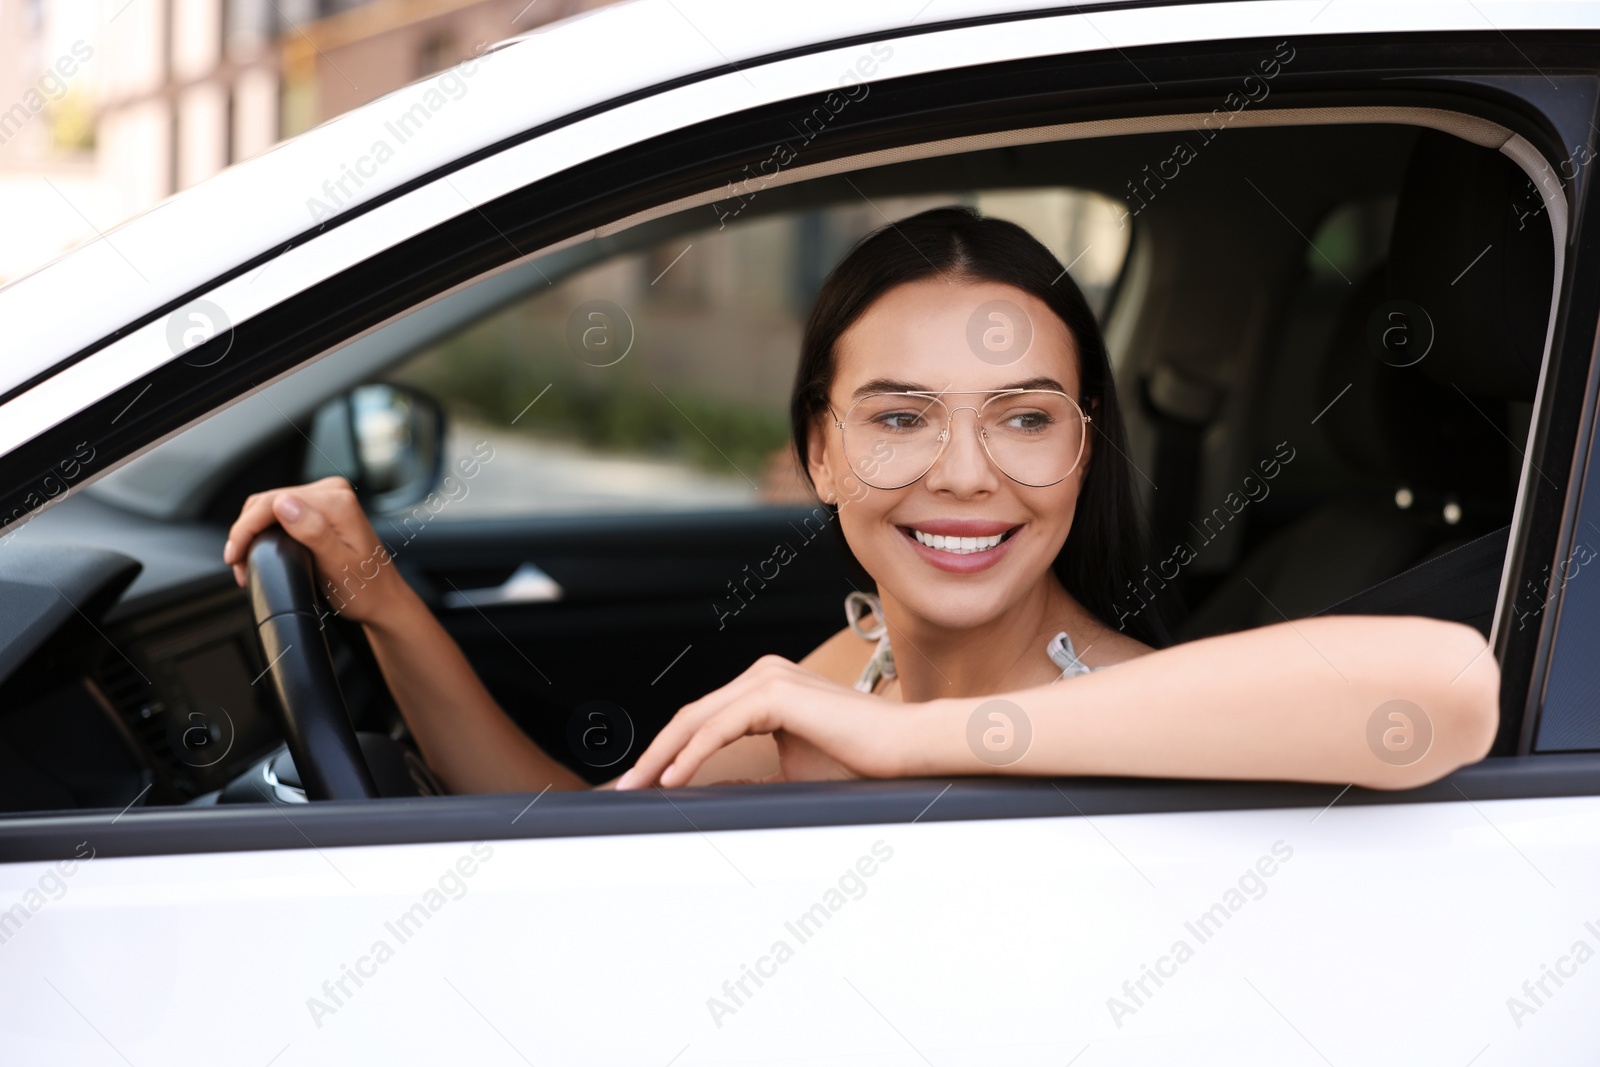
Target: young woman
(955, 403)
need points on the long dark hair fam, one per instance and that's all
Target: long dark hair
(1106, 548)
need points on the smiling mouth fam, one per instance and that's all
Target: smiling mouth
(960, 546)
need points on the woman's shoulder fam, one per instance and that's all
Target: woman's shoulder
(1109, 647)
(841, 657)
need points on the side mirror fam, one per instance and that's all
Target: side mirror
(387, 439)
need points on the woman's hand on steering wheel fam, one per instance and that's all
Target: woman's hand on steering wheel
(358, 580)
(823, 729)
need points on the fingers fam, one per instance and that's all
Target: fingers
(308, 522)
(661, 751)
(724, 728)
(822, 731)
(667, 744)
(325, 516)
(255, 516)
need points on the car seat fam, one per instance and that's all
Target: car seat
(1433, 346)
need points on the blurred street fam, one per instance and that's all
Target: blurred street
(528, 476)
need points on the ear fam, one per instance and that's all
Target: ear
(817, 460)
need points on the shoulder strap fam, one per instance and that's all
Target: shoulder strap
(1063, 655)
(881, 665)
(858, 608)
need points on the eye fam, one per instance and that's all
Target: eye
(1029, 421)
(900, 420)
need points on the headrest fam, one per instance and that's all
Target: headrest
(1468, 251)
(1174, 393)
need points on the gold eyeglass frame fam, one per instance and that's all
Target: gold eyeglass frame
(944, 434)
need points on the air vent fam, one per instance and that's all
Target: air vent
(140, 706)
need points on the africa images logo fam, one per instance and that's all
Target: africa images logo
(192, 328)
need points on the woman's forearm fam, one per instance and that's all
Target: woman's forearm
(465, 737)
(1293, 701)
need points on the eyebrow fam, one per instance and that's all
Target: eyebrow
(890, 385)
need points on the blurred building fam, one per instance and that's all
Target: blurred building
(109, 106)
(186, 87)
(344, 59)
(48, 177)
(191, 86)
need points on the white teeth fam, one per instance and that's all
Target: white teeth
(959, 545)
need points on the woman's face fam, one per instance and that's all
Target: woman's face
(916, 336)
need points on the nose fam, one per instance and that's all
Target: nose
(964, 467)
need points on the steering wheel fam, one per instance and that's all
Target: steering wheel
(283, 597)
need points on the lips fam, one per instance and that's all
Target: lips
(960, 546)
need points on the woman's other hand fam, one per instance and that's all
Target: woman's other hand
(823, 730)
(358, 578)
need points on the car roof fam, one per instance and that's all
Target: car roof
(605, 56)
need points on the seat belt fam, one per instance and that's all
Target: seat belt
(1460, 586)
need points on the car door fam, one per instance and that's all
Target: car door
(1030, 920)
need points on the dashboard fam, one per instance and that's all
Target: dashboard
(161, 707)
(190, 685)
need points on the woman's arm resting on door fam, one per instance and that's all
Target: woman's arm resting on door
(1294, 701)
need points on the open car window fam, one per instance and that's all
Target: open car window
(1272, 388)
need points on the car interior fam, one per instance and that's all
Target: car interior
(1326, 338)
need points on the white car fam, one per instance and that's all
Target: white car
(542, 308)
